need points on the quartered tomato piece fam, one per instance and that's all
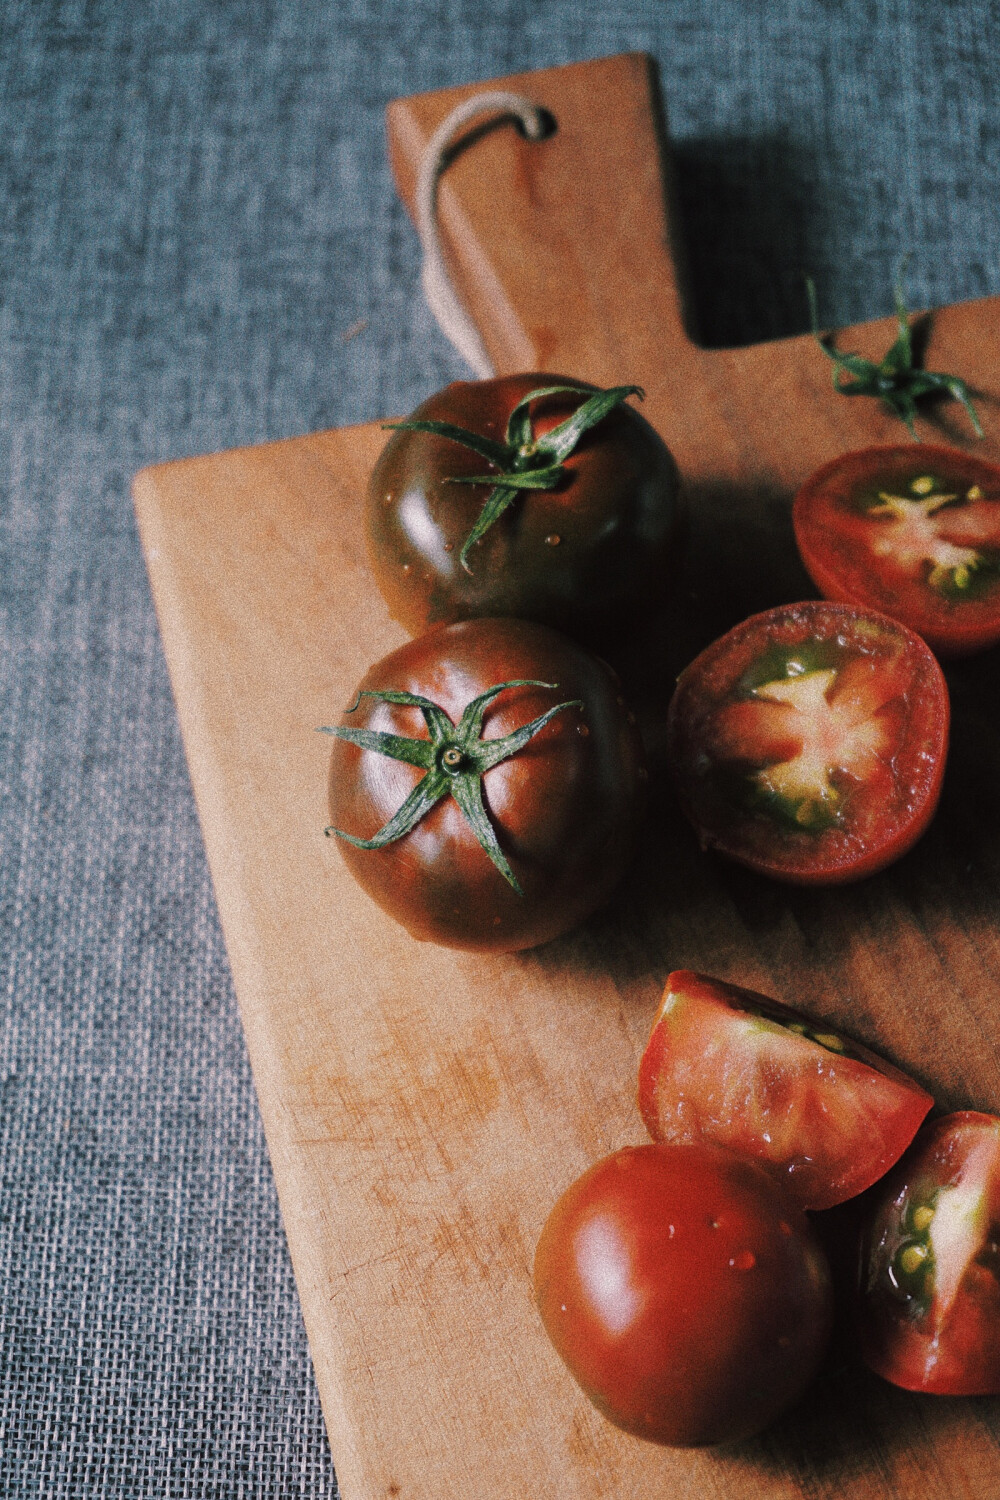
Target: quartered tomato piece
(732, 1067)
(930, 1275)
(913, 532)
(809, 742)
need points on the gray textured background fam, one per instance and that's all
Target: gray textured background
(195, 211)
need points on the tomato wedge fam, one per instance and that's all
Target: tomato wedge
(810, 741)
(930, 1289)
(740, 1070)
(913, 532)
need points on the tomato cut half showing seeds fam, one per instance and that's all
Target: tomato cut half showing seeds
(930, 1290)
(810, 741)
(912, 532)
(735, 1068)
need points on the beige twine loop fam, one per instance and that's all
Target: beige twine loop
(452, 318)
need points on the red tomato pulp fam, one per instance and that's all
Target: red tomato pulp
(727, 1065)
(810, 741)
(912, 531)
(930, 1279)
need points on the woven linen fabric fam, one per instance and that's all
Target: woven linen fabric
(201, 247)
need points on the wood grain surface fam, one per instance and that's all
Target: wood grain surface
(424, 1108)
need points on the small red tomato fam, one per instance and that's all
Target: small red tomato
(913, 532)
(809, 742)
(930, 1276)
(504, 845)
(587, 554)
(727, 1065)
(685, 1292)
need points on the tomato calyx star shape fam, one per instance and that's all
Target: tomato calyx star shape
(897, 381)
(524, 461)
(455, 758)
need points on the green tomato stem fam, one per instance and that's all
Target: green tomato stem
(455, 758)
(524, 462)
(896, 380)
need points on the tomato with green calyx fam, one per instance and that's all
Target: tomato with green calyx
(487, 783)
(684, 1291)
(528, 495)
(726, 1065)
(929, 1314)
(809, 743)
(914, 533)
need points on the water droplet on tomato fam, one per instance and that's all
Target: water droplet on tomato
(743, 1260)
(553, 539)
(582, 731)
(449, 546)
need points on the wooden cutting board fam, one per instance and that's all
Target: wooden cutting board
(424, 1108)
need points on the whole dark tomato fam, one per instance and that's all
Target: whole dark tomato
(913, 532)
(507, 844)
(809, 742)
(685, 1292)
(727, 1065)
(589, 555)
(930, 1276)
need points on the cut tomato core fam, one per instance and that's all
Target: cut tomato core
(913, 533)
(809, 742)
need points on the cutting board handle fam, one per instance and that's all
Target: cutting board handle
(562, 250)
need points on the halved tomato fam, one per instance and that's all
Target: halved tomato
(913, 532)
(738, 1069)
(930, 1276)
(809, 742)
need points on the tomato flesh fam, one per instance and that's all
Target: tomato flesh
(809, 742)
(727, 1065)
(930, 1291)
(589, 556)
(684, 1291)
(913, 532)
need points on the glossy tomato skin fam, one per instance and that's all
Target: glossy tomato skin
(588, 558)
(893, 528)
(809, 742)
(566, 808)
(738, 1069)
(685, 1292)
(929, 1313)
